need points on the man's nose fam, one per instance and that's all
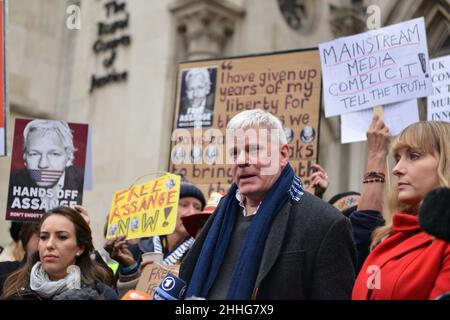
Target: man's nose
(242, 159)
(192, 210)
(43, 162)
(198, 93)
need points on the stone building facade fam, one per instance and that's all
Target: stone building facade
(120, 78)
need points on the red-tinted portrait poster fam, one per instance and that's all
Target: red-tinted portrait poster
(47, 167)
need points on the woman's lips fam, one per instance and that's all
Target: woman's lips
(402, 185)
(50, 258)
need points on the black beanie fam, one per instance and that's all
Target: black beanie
(189, 190)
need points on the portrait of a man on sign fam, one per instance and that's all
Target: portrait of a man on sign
(47, 168)
(197, 96)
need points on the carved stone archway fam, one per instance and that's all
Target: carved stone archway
(437, 19)
(205, 25)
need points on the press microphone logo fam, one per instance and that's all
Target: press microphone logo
(170, 288)
(374, 279)
(168, 283)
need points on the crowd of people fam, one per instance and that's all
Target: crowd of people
(266, 237)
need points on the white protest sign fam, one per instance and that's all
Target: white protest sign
(397, 116)
(375, 68)
(438, 104)
(440, 72)
(439, 107)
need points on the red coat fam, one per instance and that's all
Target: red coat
(408, 264)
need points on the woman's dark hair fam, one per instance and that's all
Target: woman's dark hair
(14, 230)
(27, 230)
(90, 270)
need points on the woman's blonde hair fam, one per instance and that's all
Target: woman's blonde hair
(429, 137)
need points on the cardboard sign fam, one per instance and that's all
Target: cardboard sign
(47, 169)
(438, 104)
(152, 275)
(286, 84)
(3, 101)
(375, 68)
(145, 210)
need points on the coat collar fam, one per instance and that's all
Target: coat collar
(405, 222)
(406, 236)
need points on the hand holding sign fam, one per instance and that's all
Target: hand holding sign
(153, 274)
(118, 250)
(84, 213)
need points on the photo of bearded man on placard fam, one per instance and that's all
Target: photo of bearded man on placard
(43, 170)
(197, 98)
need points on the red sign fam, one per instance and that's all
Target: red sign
(47, 167)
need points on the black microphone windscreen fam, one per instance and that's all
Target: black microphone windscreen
(434, 214)
(170, 288)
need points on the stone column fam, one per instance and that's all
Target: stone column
(205, 25)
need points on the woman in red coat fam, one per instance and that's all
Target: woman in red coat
(407, 263)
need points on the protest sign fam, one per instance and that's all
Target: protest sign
(397, 116)
(146, 209)
(439, 108)
(152, 275)
(438, 104)
(3, 100)
(375, 68)
(286, 84)
(47, 167)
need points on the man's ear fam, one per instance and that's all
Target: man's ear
(69, 162)
(284, 155)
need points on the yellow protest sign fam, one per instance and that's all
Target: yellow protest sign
(145, 210)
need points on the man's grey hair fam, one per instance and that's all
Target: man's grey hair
(62, 130)
(257, 119)
(199, 71)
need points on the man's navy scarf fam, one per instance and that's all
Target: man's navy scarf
(288, 186)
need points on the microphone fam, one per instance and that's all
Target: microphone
(136, 295)
(170, 288)
(445, 296)
(434, 214)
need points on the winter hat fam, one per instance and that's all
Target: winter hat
(195, 221)
(190, 190)
(434, 214)
(346, 202)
